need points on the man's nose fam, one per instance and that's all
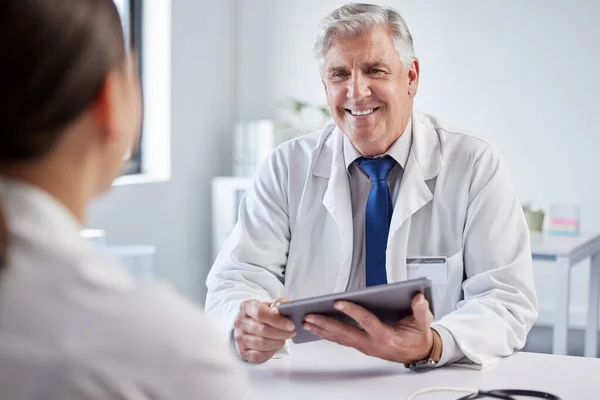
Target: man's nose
(358, 87)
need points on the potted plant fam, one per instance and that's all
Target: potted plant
(300, 117)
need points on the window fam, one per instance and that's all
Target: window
(145, 23)
(131, 16)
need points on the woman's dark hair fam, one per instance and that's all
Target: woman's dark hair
(54, 58)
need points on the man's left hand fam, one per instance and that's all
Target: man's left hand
(409, 340)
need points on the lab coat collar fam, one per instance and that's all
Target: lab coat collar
(424, 163)
(336, 199)
(425, 151)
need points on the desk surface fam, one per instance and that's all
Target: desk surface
(548, 245)
(322, 370)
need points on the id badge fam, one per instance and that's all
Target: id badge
(433, 268)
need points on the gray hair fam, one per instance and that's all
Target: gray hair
(354, 19)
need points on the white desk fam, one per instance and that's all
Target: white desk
(322, 370)
(137, 260)
(566, 252)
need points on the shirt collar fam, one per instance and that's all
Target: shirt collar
(399, 150)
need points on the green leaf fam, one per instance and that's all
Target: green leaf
(299, 106)
(325, 111)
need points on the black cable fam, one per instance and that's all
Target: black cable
(487, 394)
(507, 394)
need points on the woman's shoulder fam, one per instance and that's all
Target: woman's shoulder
(89, 307)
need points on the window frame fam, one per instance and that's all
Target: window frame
(132, 18)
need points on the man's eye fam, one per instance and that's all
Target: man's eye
(339, 74)
(375, 71)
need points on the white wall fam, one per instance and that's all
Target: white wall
(175, 216)
(523, 74)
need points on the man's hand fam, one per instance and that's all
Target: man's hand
(409, 340)
(260, 331)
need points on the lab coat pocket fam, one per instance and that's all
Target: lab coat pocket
(455, 270)
(447, 296)
(445, 273)
(433, 268)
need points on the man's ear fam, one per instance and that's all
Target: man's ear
(413, 77)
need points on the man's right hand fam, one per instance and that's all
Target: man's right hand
(260, 330)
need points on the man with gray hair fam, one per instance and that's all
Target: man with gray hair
(352, 205)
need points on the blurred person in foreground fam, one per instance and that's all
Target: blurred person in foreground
(72, 324)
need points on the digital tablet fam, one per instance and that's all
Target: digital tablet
(390, 303)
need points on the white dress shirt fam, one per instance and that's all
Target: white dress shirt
(360, 187)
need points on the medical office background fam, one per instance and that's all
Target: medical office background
(524, 75)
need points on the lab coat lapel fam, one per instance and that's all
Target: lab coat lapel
(424, 163)
(337, 201)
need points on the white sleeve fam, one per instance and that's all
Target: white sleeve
(197, 364)
(252, 263)
(500, 304)
(451, 352)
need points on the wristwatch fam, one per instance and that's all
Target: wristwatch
(432, 360)
(421, 365)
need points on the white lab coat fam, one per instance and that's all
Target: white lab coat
(456, 199)
(75, 326)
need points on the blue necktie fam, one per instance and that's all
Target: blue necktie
(378, 217)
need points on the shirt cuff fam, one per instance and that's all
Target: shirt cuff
(451, 353)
